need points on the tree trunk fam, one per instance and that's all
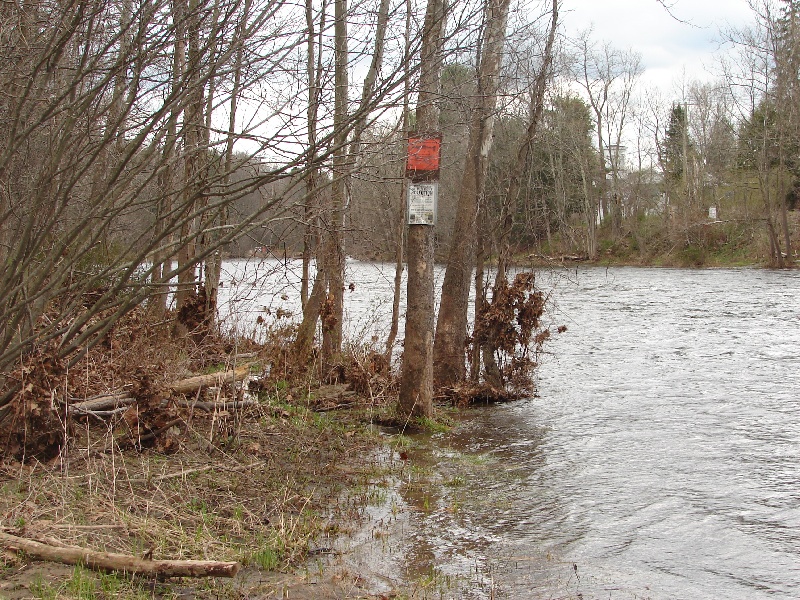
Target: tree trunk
(524, 151)
(398, 270)
(210, 234)
(314, 74)
(416, 380)
(304, 341)
(334, 255)
(194, 126)
(166, 184)
(480, 287)
(451, 326)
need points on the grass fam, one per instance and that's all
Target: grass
(456, 481)
(264, 499)
(84, 584)
(440, 423)
(43, 590)
(270, 554)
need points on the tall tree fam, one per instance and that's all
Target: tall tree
(194, 186)
(516, 181)
(674, 150)
(334, 238)
(451, 327)
(607, 76)
(416, 380)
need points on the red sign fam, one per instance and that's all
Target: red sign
(423, 156)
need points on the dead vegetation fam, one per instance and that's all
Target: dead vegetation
(151, 447)
(509, 334)
(205, 447)
(262, 488)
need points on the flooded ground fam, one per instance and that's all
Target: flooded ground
(660, 459)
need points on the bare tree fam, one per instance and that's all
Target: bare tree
(516, 179)
(761, 86)
(451, 327)
(114, 160)
(607, 77)
(416, 381)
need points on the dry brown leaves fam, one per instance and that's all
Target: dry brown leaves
(511, 327)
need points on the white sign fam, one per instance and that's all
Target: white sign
(712, 212)
(422, 203)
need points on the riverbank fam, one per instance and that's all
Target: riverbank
(164, 449)
(647, 242)
(271, 486)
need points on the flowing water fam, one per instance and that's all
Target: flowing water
(660, 458)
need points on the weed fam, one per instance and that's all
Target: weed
(457, 481)
(402, 441)
(434, 581)
(437, 425)
(110, 584)
(421, 471)
(268, 558)
(82, 584)
(42, 590)
(238, 513)
(376, 496)
(198, 505)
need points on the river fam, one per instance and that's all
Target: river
(660, 458)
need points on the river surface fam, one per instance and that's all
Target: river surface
(660, 458)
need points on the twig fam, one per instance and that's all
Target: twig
(198, 470)
(342, 406)
(108, 561)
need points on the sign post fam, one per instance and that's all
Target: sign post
(422, 168)
(422, 202)
(422, 171)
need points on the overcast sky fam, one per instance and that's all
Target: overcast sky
(667, 46)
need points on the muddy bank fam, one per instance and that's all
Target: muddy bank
(272, 485)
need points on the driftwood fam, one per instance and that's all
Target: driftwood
(108, 561)
(333, 397)
(102, 402)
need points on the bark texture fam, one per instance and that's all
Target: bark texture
(125, 563)
(416, 380)
(451, 326)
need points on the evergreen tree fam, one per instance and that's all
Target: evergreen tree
(675, 145)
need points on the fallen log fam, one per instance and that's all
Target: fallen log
(105, 405)
(215, 406)
(109, 561)
(102, 402)
(192, 384)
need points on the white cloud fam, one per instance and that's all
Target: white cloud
(686, 43)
